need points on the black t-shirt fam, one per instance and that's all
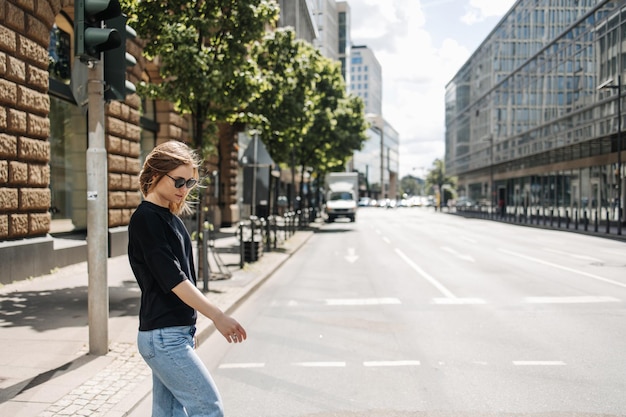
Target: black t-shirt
(161, 257)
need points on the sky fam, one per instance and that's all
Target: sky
(420, 45)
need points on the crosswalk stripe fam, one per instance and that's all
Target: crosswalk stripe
(241, 365)
(391, 363)
(321, 364)
(571, 300)
(538, 363)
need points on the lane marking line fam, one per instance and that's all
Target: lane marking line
(391, 363)
(362, 301)
(446, 292)
(321, 364)
(241, 365)
(572, 255)
(538, 363)
(468, 258)
(571, 300)
(457, 301)
(563, 268)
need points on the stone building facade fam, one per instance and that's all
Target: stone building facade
(43, 137)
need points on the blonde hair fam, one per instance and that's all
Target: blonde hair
(163, 159)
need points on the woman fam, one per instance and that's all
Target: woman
(160, 254)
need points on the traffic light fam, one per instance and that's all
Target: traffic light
(116, 61)
(91, 37)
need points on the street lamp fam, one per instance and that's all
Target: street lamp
(609, 84)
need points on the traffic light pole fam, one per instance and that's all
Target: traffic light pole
(97, 215)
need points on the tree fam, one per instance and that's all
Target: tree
(281, 112)
(202, 47)
(437, 180)
(204, 65)
(302, 111)
(411, 185)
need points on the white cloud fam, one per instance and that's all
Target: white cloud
(420, 45)
(479, 10)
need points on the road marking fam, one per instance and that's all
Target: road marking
(457, 254)
(321, 364)
(572, 255)
(538, 363)
(458, 301)
(351, 256)
(571, 300)
(470, 240)
(449, 297)
(386, 240)
(564, 268)
(362, 301)
(391, 363)
(446, 292)
(241, 365)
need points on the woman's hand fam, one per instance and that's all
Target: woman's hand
(227, 326)
(230, 329)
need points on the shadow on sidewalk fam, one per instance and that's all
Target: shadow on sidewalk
(47, 310)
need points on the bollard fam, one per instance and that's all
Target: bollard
(275, 227)
(567, 219)
(576, 220)
(595, 222)
(241, 246)
(585, 220)
(551, 216)
(608, 222)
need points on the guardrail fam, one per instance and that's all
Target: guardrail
(598, 220)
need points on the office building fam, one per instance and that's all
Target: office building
(378, 163)
(325, 19)
(527, 126)
(366, 78)
(297, 14)
(344, 39)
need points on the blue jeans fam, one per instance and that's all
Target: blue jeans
(181, 384)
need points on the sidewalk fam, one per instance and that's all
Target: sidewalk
(45, 366)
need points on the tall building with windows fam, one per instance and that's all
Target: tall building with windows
(325, 17)
(366, 78)
(526, 125)
(298, 15)
(378, 163)
(344, 39)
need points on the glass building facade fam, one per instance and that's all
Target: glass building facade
(527, 126)
(378, 163)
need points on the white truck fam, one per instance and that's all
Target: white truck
(342, 195)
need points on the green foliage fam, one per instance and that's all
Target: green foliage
(437, 177)
(302, 112)
(218, 63)
(411, 185)
(202, 49)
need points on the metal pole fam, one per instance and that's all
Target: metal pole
(491, 184)
(97, 224)
(619, 154)
(254, 173)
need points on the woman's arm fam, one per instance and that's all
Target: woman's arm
(226, 325)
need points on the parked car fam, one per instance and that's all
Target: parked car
(465, 202)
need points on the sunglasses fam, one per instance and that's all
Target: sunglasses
(179, 182)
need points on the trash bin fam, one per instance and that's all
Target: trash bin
(252, 250)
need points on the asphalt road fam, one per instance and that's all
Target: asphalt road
(408, 312)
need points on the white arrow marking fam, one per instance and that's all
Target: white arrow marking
(351, 256)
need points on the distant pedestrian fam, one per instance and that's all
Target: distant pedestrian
(160, 254)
